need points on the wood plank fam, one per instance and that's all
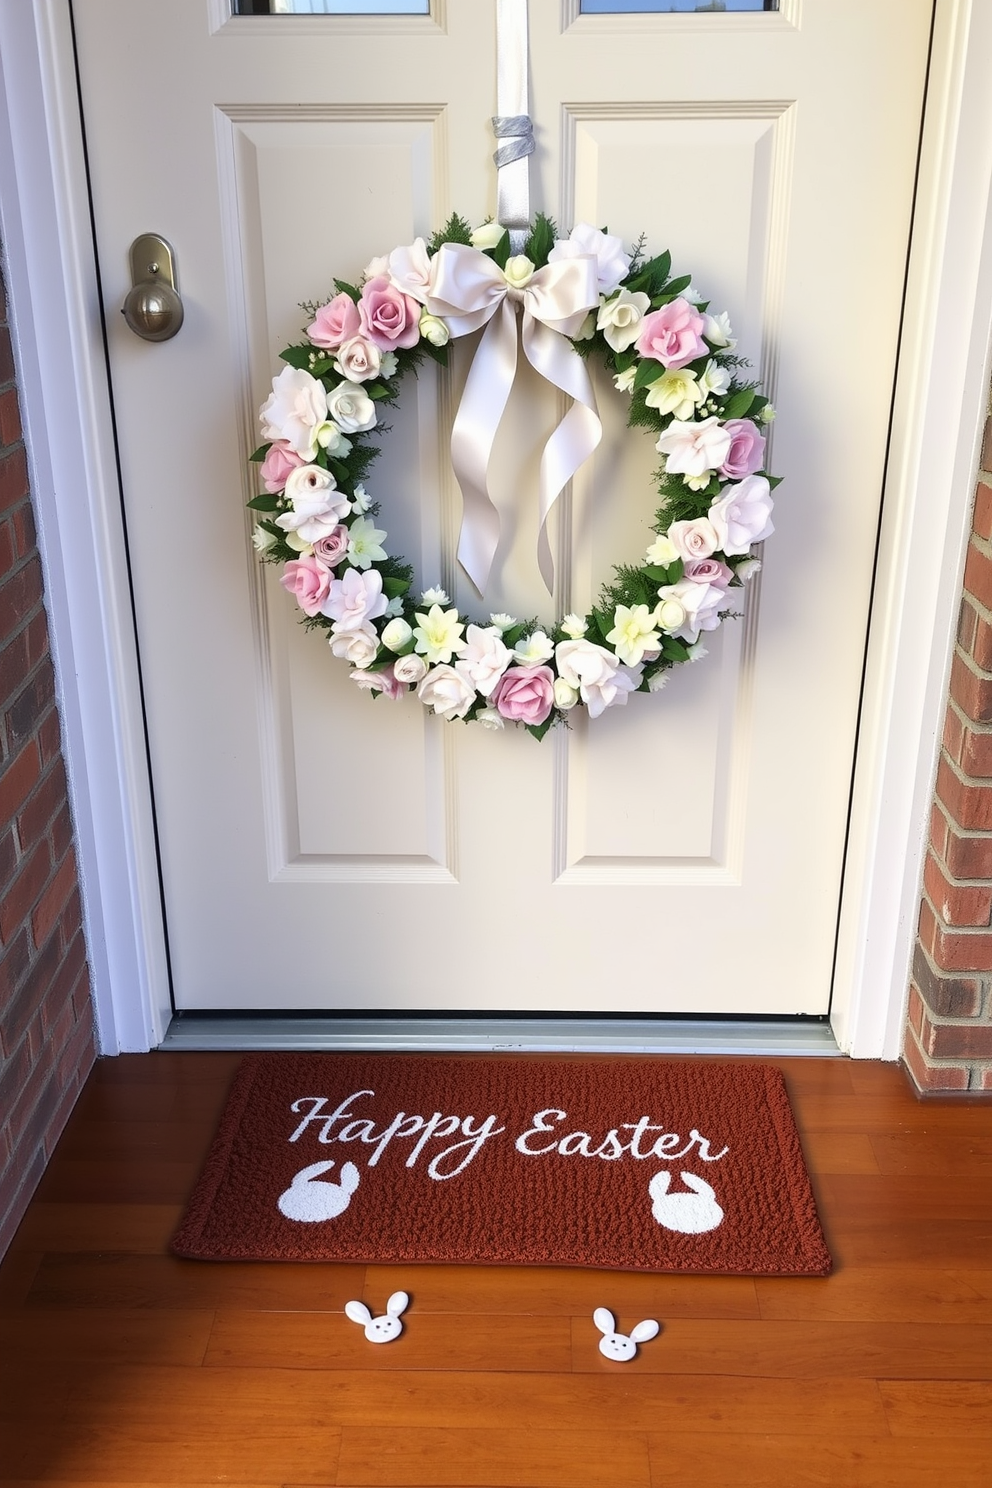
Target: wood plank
(437, 1458)
(142, 1229)
(880, 1294)
(473, 1400)
(17, 1273)
(797, 1351)
(136, 1281)
(839, 1152)
(177, 1139)
(940, 1408)
(956, 1155)
(683, 1456)
(562, 1292)
(435, 1341)
(154, 1336)
(120, 1180)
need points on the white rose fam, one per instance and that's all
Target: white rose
(357, 646)
(490, 718)
(694, 449)
(294, 410)
(566, 696)
(742, 515)
(700, 605)
(351, 408)
(585, 241)
(716, 329)
(620, 318)
(484, 659)
(410, 269)
(519, 271)
(447, 692)
(358, 360)
(595, 673)
(487, 236)
(409, 669)
(748, 569)
(317, 504)
(434, 330)
(397, 634)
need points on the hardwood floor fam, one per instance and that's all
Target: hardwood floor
(122, 1365)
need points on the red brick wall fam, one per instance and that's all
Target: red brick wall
(948, 1044)
(46, 1023)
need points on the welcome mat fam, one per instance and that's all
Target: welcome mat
(628, 1164)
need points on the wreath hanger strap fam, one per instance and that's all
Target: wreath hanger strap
(512, 123)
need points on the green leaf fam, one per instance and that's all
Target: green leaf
(674, 650)
(501, 252)
(513, 635)
(657, 573)
(264, 503)
(394, 588)
(343, 287)
(260, 453)
(674, 287)
(377, 390)
(437, 354)
(298, 357)
(540, 729)
(737, 405)
(541, 240)
(649, 371)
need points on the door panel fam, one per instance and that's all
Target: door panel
(320, 850)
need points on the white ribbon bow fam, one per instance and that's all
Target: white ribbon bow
(467, 290)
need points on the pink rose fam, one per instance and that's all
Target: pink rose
(389, 318)
(330, 549)
(747, 449)
(525, 694)
(335, 322)
(358, 360)
(705, 571)
(672, 335)
(381, 681)
(695, 539)
(308, 582)
(279, 461)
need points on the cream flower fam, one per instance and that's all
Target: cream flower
(676, 391)
(447, 692)
(620, 318)
(294, 410)
(574, 627)
(657, 681)
(662, 552)
(486, 236)
(742, 514)
(262, 539)
(519, 271)
(411, 669)
(585, 241)
(566, 696)
(361, 500)
(364, 543)
(439, 634)
(624, 381)
(595, 673)
(410, 269)
(694, 449)
(714, 381)
(534, 649)
(716, 329)
(397, 634)
(351, 408)
(502, 622)
(634, 632)
(357, 646)
(490, 718)
(700, 603)
(434, 330)
(435, 596)
(484, 659)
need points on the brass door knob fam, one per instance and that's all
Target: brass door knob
(153, 308)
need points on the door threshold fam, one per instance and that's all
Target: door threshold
(490, 1034)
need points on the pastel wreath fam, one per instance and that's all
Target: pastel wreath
(671, 357)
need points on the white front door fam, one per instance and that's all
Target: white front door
(683, 854)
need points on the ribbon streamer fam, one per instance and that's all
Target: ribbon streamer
(468, 290)
(513, 120)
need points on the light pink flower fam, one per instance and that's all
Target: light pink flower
(595, 674)
(701, 603)
(525, 694)
(742, 515)
(708, 571)
(330, 550)
(381, 681)
(389, 317)
(356, 599)
(358, 359)
(358, 646)
(410, 269)
(694, 448)
(696, 539)
(747, 449)
(484, 659)
(294, 411)
(335, 322)
(280, 459)
(672, 335)
(308, 582)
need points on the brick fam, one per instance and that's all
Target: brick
(14, 963)
(915, 1011)
(14, 1075)
(32, 702)
(18, 781)
(32, 1115)
(946, 996)
(927, 1076)
(981, 522)
(70, 920)
(25, 536)
(978, 575)
(6, 356)
(14, 665)
(50, 737)
(967, 856)
(8, 555)
(41, 805)
(987, 446)
(981, 645)
(957, 1040)
(21, 896)
(967, 621)
(13, 478)
(952, 738)
(969, 804)
(953, 950)
(20, 593)
(955, 903)
(971, 690)
(60, 833)
(10, 418)
(984, 1078)
(939, 831)
(24, 1006)
(975, 758)
(53, 900)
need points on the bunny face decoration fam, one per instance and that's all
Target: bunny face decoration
(620, 1346)
(311, 1199)
(380, 1329)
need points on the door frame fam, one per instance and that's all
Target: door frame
(938, 416)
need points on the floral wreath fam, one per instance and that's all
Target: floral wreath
(674, 360)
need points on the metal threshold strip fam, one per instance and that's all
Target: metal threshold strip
(490, 1034)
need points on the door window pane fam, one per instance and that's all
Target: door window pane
(331, 7)
(614, 7)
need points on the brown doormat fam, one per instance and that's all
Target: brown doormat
(629, 1164)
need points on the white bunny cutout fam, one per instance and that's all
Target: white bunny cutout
(309, 1200)
(380, 1329)
(621, 1346)
(687, 1213)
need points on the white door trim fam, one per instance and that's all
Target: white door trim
(940, 405)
